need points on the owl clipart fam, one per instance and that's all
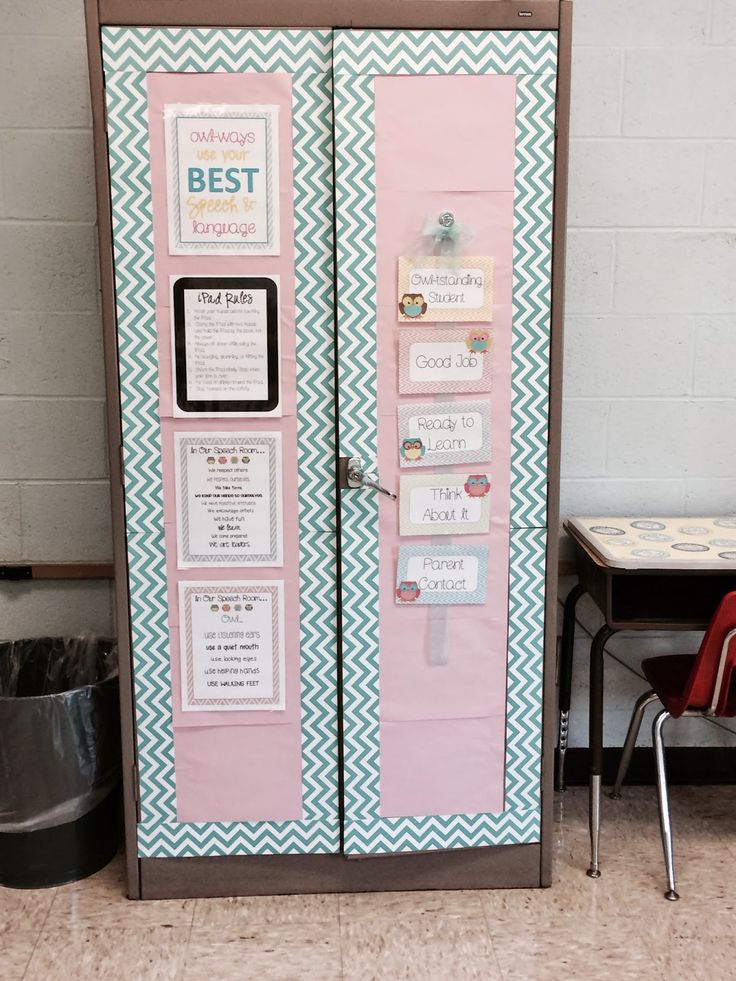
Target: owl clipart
(412, 305)
(407, 591)
(478, 341)
(477, 485)
(412, 449)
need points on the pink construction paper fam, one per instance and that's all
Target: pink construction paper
(266, 785)
(443, 726)
(446, 133)
(232, 766)
(472, 688)
(419, 758)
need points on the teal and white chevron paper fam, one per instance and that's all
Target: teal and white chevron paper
(446, 52)
(532, 296)
(129, 53)
(356, 365)
(215, 49)
(532, 57)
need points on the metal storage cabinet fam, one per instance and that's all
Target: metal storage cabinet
(314, 671)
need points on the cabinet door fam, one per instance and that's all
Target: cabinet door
(444, 146)
(229, 774)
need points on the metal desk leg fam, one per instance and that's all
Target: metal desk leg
(595, 741)
(567, 643)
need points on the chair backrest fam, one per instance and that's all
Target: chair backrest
(709, 684)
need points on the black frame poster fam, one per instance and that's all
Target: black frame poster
(243, 311)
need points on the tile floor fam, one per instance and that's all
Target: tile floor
(617, 927)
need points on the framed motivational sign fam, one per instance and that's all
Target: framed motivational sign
(222, 178)
(226, 345)
(229, 504)
(232, 645)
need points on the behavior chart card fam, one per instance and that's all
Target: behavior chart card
(441, 574)
(433, 434)
(444, 504)
(229, 499)
(232, 645)
(444, 289)
(222, 179)
(449, 360)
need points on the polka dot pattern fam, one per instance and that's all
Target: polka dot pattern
(677, 542)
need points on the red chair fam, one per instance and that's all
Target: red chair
(702, 684)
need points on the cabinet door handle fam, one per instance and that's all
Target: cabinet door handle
(357, 477)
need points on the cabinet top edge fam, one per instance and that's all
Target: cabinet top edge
(378, 14)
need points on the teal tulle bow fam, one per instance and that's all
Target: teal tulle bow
(445, 231)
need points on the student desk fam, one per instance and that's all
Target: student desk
(643, 574)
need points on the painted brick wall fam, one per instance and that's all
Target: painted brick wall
(651, 326)
(54, 499)
(650, 402)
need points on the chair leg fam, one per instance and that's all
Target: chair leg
(637, 715)
(665, 820)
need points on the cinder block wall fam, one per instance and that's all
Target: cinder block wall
(651, 303)
(54, 498)
(650, 401)
(650, 405)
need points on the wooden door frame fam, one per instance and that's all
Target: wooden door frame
(508, 865)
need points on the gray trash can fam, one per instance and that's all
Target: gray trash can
(59, 759)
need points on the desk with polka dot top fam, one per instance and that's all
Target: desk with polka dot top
(658, 543)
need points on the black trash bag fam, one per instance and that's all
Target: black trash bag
(59, 739)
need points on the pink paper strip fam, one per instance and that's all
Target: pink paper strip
(235, 765)
(443, 726)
